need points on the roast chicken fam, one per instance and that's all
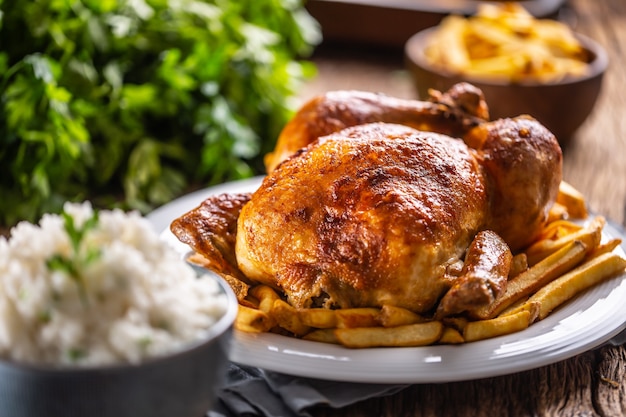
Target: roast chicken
(367, 205)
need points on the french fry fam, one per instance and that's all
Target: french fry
(419, 334)
(252, 320)
(534, 278)
(451, 336)
(357, 317)
(451, 35)
(239, 287)
(322, 335)
(288, 318)
(604, 248)
(574, 282)
(392, 316)
(573, 201)
(320, 318)
(457, 323)
(559, 228)
(590, 235)
(557, 212)
(266, 297)
(486, 329)
(506, 43)
(533, 307)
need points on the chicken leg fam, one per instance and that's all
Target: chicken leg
(452, 113)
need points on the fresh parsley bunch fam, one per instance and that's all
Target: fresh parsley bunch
(130, 103)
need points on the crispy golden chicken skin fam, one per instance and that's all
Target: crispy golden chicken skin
(375, 213)
(210, 230)
(367, 216)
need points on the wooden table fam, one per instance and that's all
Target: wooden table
(593, 383)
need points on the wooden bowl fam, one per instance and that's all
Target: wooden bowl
(561, 106)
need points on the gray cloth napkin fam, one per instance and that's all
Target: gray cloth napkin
(618, 339)
(255, 392)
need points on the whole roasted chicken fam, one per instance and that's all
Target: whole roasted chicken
(371, 200)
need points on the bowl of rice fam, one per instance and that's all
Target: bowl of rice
(99, 317)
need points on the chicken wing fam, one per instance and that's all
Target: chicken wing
(210, 230)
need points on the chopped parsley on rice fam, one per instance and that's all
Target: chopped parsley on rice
(88, 288)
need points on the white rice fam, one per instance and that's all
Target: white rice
(136, 299)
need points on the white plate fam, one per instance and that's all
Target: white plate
(582, 324)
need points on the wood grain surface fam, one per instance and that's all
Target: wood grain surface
(590, 384)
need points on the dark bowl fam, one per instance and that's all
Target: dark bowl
(561, 106)
(182, 384)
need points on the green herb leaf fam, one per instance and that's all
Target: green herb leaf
(73, 265)
(131, 104)
(75, 354)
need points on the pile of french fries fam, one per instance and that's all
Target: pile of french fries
(506, 43)
(568, 258)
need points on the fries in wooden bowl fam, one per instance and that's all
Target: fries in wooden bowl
(522, 64)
